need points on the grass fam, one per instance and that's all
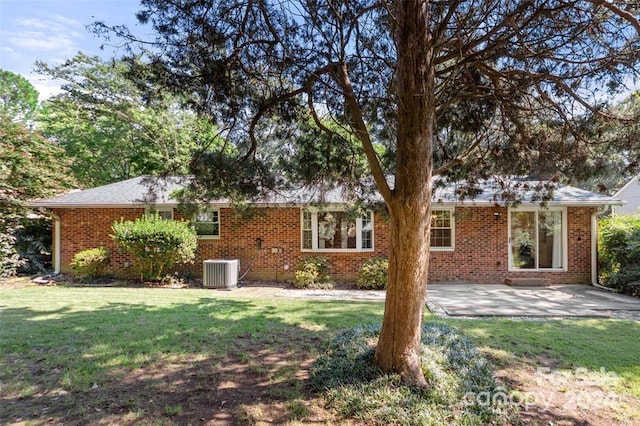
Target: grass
(162, 356)
(68, 353)
(597, 345)
(456, 372)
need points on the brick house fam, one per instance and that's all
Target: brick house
(480, 240)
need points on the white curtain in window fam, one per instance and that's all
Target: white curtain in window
(557, 241)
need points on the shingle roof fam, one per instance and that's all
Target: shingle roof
(141, 190)
(147, 190)
(492, 193)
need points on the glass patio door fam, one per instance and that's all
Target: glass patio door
(536, 239)
(523, 240)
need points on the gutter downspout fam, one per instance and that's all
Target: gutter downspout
(594, 246)
(56, 245)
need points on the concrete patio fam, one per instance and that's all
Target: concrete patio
(474, 300)
(485, 300)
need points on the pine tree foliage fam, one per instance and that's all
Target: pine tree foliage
(453, 88)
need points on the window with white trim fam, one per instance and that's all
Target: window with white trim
(207, 223)
(442, 230)
(333, 230)
(537, 239)
(163, 212)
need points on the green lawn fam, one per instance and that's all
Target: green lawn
(596, 345)
(68, 353)
(77, 354)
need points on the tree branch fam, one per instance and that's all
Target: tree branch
(627, 16)
(363, 134)
(459, 158)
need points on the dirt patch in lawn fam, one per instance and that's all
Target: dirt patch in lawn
(16, 282)
(244, 388)
(548, 395)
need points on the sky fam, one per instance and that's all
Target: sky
(54, 31)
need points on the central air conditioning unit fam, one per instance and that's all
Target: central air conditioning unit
(220, 273)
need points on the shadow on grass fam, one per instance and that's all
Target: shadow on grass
(209, 360)
(595, 344)
(578, 371)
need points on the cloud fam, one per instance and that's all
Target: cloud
(53, 31)
(39, 42)
(45, 87)
(44, 35)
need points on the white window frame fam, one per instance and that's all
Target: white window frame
(209, 237)
(314, 231)
(564, 241)
(452, 247)
(160, 211)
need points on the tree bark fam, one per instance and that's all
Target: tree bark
(398, 348)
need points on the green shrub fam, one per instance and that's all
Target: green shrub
(619, 253)
(33, 245)
(155, 244)
(93, 262)
(627, 280)
(9, 259)
(374, 273)
(313, 272)
(347, 378)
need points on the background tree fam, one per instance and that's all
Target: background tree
(18, 97)
(30, 167)
(615, 157)
(453, 87)
(110, 131)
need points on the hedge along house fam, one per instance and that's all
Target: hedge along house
(481, 240)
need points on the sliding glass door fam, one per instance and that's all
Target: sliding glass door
(537, 239)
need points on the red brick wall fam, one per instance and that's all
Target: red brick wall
(84, 228)
(482, 251)
(480, 255)
(279, 231)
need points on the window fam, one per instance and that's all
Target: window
(537, 239)
(307, 230)
(336, 230)
(442, 236)
(207, 224)
(163, 212)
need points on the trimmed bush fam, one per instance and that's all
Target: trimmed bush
(92, 263)
(156, 244)
(619, 253)
(374, 274)
(313, 272)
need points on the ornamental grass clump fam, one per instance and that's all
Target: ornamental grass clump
(155, 244)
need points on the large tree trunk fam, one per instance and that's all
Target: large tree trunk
(398, 348)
